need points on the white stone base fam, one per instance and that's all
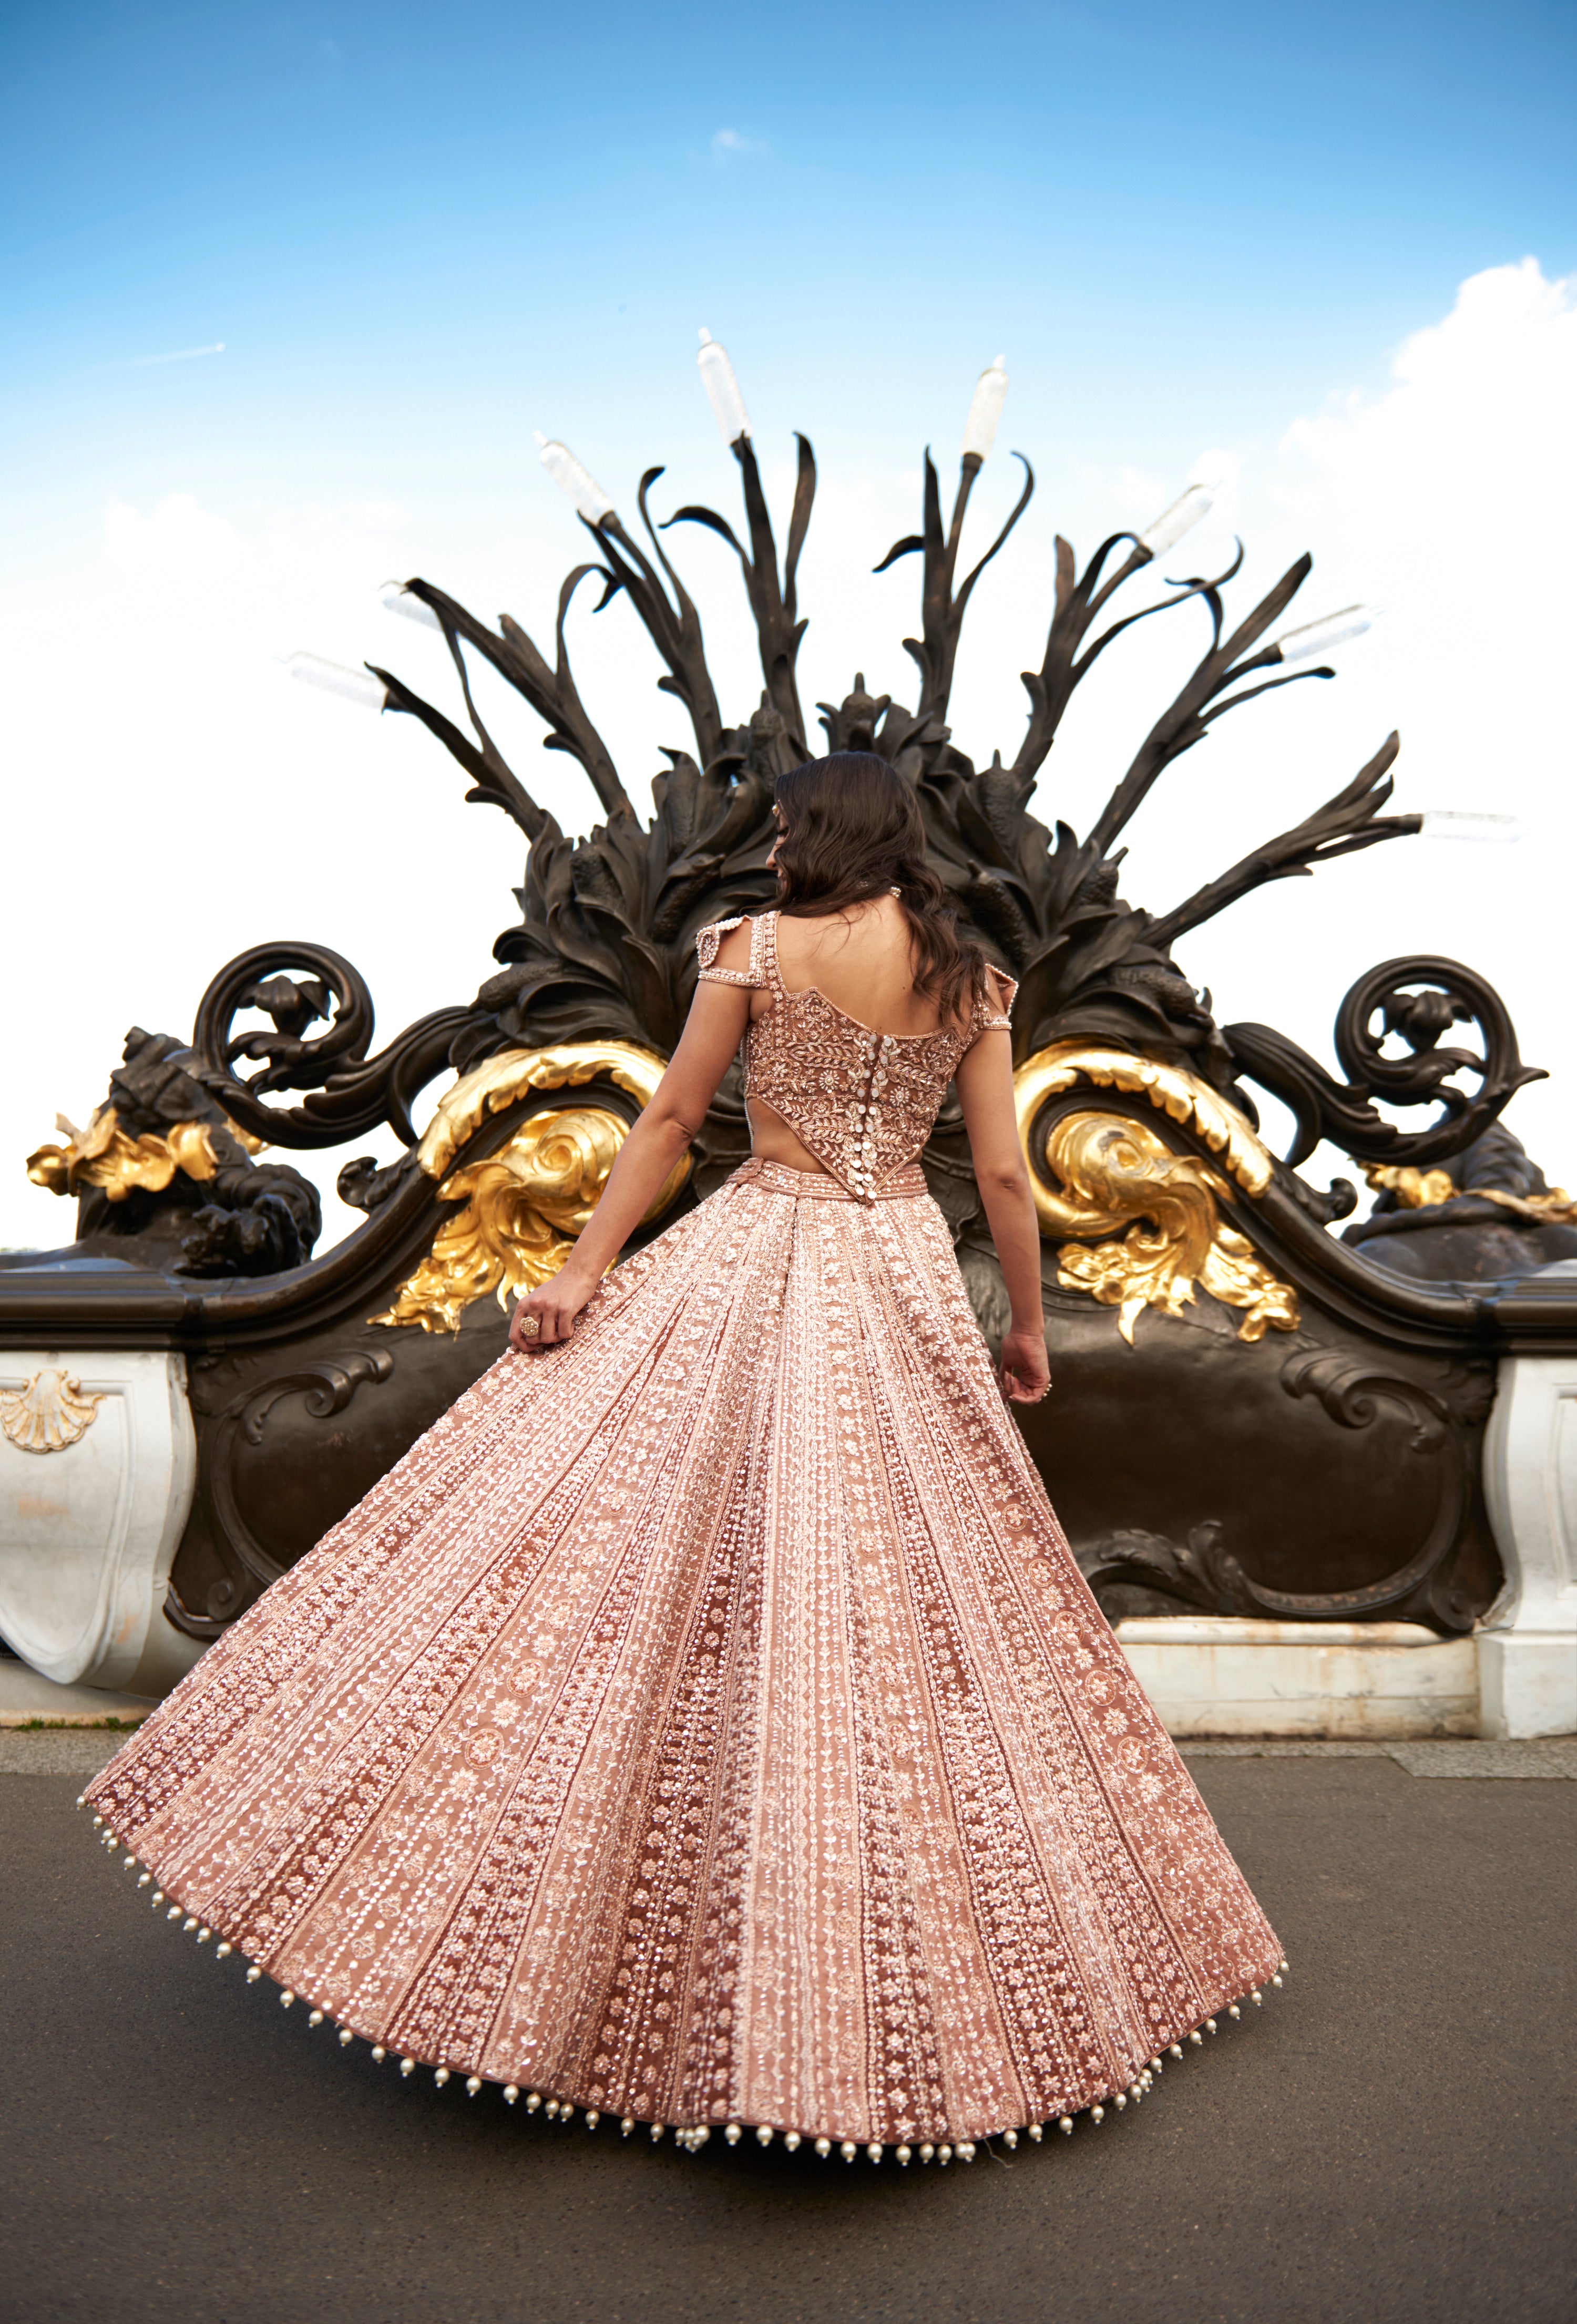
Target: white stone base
(88, 1527)
(1348, 1682)
(1529, 1641)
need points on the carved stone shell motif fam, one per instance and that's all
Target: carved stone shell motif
(48, 1412)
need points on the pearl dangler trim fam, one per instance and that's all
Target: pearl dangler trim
(442, 2076)
(823, 2147)
(1064, 2122)
(315, 2019)
(286, 1997)
(1011, 2140)
(345, 2037)
(903, 2157)
(253, 1974)
(764, 2133)
(510, 2089)
(591, 2117)
(379, 2053)
(848, 2150)
(223, 1951)
(627, 2126)
(944, 2155)
(472, 2081)
(733, 2134)
(927, 2152)
(1097, 2113)
(1037, 2133)
(407, 2067)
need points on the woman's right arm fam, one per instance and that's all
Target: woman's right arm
(984, 1081)
(656, 1143)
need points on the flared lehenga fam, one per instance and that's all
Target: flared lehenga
(706, 1723)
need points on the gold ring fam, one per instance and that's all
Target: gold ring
(530, 1327)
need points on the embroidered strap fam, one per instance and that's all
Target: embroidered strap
(764, 952)
(710, 937)
(987, 1020)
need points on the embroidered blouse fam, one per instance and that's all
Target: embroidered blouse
(862, 1102)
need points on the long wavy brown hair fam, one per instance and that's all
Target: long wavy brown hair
(852, 831)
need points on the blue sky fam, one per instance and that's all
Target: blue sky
(407, 224)
(1331, 252)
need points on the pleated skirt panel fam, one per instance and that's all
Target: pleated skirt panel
(706, 1723)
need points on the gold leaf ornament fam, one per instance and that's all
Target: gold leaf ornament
(525, 1206)
(103, 1156)
(1419, 1190)
(48, 1412)
(1115, 1173)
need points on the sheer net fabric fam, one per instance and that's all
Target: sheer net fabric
(706, 1722)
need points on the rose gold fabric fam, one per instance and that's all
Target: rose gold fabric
(860, 1101)
(706, 1721)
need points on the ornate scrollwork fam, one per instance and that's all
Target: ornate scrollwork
(525, 1206)
(349, 1091)
(1118, 1173)
(1416, 1000)
(48, 1412)
(248, 1569)
(1180, 1095)
(1354, 1390)
(1095, 1173)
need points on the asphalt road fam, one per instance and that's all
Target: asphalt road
(1390, 2138)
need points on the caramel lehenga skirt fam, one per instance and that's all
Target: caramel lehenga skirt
(705, 1725)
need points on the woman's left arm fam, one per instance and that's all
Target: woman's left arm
(713, 1032)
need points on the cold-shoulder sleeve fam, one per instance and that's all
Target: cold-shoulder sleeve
(707, 941)
(989, 1019)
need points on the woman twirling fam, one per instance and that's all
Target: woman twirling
(704, 1723)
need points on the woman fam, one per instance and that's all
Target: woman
(706, 1723)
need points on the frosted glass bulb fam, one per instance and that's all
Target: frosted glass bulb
(722, 388)
(396, 598)
(1182, 517)
(1455, 822)
(353, 684)
(1334, 630)
(985, 410)
(566, 473)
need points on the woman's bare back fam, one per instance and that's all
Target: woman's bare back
(860, 961)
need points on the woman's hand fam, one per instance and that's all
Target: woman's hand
(1022, 1369)
(555, 1304)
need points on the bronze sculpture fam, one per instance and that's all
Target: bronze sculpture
(1254, 1416)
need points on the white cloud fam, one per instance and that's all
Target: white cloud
(178, 354)
(728, 145)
